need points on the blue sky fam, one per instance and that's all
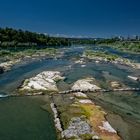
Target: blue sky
(96, 18)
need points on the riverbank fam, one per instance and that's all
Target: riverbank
(9, 59)
(128, 47)
(99, 56)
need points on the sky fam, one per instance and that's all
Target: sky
(93, 18)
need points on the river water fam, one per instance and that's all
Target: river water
(22, 118)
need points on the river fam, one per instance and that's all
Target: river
(22, 117)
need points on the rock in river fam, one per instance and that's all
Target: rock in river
(43, 81)
(76, 128)
(80, 95)
(115, 84)
(85, 84)
(7, 65)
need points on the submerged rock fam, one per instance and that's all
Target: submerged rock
(43, 81)
(85, 84)
(81, 61)
(83, 66)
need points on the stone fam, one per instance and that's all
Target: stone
(95, 137)
(107, 127)
(87, 101)
(85, 85)
(97, 61)
(7, 65)
(43, 81)
(137, 65)
(83, 66)
(80, 94)
(115, 84)
(71, 98)
(56, 119)
(76, 128)
(81, 61)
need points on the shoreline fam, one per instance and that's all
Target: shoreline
(99, 58)
(12, 61)
(115, 47)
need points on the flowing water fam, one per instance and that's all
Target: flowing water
(22, 118)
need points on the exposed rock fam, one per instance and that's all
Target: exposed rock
(76, 128)
(106, 126)
(137, 65)
(97, 61)
(96, 137)
(85, 84)
(80, 94)
(7, 65)
(81, 61)
(43, 81)
(83, 66)
(115, 84)
(71, 98)
(56, 119)
(133, 78)
(87, 101)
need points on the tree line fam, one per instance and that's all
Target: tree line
(13, 37)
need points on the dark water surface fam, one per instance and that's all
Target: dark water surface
(22, 119)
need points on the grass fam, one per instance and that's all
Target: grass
(16, 54)
(96, 116)
(67, 113)
(131, 47)
(96, 54)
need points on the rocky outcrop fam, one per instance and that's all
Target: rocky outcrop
(81, 61)
(137, 65)
(87, 101)
(7, 65)
(85, 84)
(80, 95)
(77, 127)
(115, 84)
(56, 118)
(107, 127)
(43, 81)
